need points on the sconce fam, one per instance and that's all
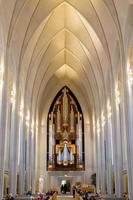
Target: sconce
(27, 119)
(21, 110)
(32, 127)
(98, 127)
(130, 75)
(109, 109)
(117, 93)
(13, 93)
(103, 119)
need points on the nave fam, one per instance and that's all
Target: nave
(66, 96)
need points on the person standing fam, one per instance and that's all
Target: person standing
(73, 189)
(65, 188)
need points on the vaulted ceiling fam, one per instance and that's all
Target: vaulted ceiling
(52, 43)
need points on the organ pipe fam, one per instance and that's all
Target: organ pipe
(65, 107)
(71, 157)
(58, 120)
(65, 155)
(72, 120)
(59, 157)
(51, 139)
(79, 139)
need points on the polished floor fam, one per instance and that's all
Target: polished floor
(65, 197)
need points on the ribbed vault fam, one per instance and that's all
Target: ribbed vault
(85, 45)
(52, 34)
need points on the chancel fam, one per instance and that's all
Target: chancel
(66, 99)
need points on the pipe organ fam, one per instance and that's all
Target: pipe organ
(65, 133)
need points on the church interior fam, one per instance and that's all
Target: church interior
(66, 96)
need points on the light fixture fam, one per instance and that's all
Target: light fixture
(117, 94)
(109, 109)
(32, 127)
(98, 126)
(13, 92)
(103, 119)
(21, 110)
(27, 119)
(130, 75)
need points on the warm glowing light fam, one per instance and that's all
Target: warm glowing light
(103, 119)
(32, 127)
(98, 127)
(13, 93)
(27, 119)
(117, 93)
(21, 110)
(109, 109)
(94, 124)
(130, 75)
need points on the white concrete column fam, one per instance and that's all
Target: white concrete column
(128, 102)
(89, 154)
(43, 153)
(33, 158)
(2, 128)
(117, 145)
(109, 151)
(22, 156)
(102, 158)
(7, 135)
(98, 158)
(37, 157)
(28, 154)
(14, 144)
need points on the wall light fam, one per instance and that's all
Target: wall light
(98, 127)
(13, 93)
(32, 127)
(21, 110)
(130, 75)
(27, 119)
(117, 94)
(103, 119)
(109, 109)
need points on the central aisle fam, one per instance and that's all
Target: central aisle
(65, 197)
